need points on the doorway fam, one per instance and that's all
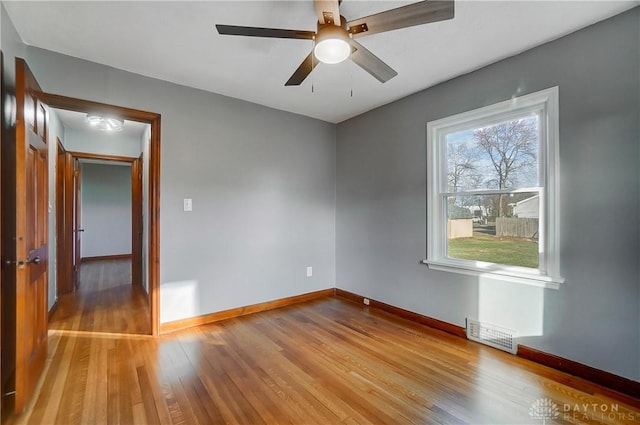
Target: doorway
(151, 207)
(101, 281)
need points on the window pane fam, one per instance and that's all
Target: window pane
(499, 229)
(498, 156)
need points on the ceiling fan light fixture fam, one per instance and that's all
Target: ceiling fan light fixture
(331, 44)
(107, 124)
(332, 50)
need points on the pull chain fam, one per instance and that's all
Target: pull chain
(351, 80)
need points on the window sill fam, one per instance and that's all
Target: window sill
(549, 282)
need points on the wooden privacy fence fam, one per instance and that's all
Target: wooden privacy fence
(517, 227)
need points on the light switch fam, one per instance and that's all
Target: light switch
(309, 271)
(188, 204)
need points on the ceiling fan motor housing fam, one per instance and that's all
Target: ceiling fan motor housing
(326, 31)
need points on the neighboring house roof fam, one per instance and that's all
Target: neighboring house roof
(527, 208)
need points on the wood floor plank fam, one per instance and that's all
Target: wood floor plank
(96, 385)
(72, 398)
(326, 361)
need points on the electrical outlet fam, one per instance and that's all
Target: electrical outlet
(309, 271)
(366, 301)
(188, 204)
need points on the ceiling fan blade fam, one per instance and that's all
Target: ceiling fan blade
(419, 13)
(371, 63)
(264, 32)
(303, 71)
(328, 11)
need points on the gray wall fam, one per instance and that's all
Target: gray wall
(262, 183)
(12, 46)
(381, 211)
(101, 143)
(106, 210)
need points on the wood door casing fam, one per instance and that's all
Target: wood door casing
(137, 222)
(77, 222)
(153, 203)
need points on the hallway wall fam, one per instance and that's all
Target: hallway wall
(106, 210)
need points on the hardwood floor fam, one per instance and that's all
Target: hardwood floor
(104, 302)
(327, 361)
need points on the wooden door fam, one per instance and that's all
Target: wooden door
(31, 245)
(136, 225)
(77, 222)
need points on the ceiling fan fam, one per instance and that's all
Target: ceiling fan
(334, 39)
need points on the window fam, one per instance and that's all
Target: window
(491, 204)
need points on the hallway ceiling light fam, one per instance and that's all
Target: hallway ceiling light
(105, 123)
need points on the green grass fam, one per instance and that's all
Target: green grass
(494, 249)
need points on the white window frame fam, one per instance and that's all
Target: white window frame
(547, 274)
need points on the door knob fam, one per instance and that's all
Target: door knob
(34, 260)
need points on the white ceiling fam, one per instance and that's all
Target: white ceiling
(177, 42)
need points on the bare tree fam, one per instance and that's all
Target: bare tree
(512, 149)
(461, 162)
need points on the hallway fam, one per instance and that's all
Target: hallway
(105, 302)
